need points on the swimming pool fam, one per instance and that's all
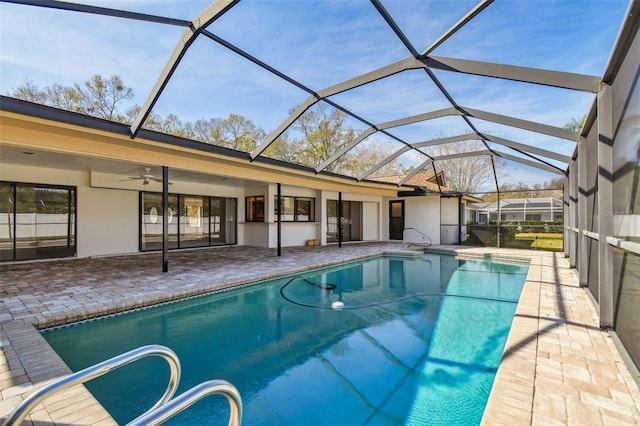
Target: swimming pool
(418, 341)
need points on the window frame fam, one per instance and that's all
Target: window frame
(254, 217)
(176, 244)
(296, 206)
(72, 222)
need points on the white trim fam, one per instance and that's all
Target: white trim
(625, 245)
(592, 235)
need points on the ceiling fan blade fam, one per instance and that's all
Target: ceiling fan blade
(159, 180)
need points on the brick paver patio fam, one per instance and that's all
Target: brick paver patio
(558, 366)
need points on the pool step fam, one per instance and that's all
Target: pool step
(417, 246)
(165, 408)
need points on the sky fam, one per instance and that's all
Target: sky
(321, 43)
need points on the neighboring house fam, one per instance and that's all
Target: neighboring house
(545, 209)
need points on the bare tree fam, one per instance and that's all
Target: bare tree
(365, 156)
(235, 132)
(465, 174)
(30, 91)
(172, 125)
(99, 97)
(240, 133)
(208, 131)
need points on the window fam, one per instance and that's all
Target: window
(255, 209)
(194, 228)
(296, 209)
(37, 221)
(194, 221)
(223, 220)
(153, 218)
(350, 224)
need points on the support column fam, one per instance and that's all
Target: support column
(573, 205)
(279, 219)
(605, 205)
(582, 252)
(461, 217)
(339, 219)
(565, 215)
(165, 219)
(499, 218)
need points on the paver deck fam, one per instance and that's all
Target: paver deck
(558, 367)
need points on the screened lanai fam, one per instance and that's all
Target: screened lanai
(410, 94)
(543, 94)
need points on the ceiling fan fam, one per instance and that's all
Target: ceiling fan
(146, 177)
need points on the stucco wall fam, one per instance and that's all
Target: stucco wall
(422, 213)
(449, 211)
(295, 233)
(107, 219)
(370, 221)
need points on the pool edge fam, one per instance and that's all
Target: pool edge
(545, 387)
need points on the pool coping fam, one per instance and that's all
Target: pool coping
(511, 400)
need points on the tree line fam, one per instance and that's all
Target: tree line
(314, 137)
(322, 130)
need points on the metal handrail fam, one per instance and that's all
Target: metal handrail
(190, 397)
(404, 238)
(24, 408)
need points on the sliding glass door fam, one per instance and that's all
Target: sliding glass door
(350, 222)
(194, 221)
(37, 221)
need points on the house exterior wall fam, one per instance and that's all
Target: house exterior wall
(108, 210)
(293, 233)
(107, 219)
(423, 214)
(371, 220)
(108, 222)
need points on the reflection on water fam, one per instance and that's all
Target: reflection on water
(408, 354)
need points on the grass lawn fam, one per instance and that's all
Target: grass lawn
(539, 240)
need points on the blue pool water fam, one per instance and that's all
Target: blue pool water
(418, 342)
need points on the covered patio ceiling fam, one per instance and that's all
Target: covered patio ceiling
(420, 65)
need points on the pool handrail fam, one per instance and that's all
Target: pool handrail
(24, 408)
(424, 236)
(190, 397)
